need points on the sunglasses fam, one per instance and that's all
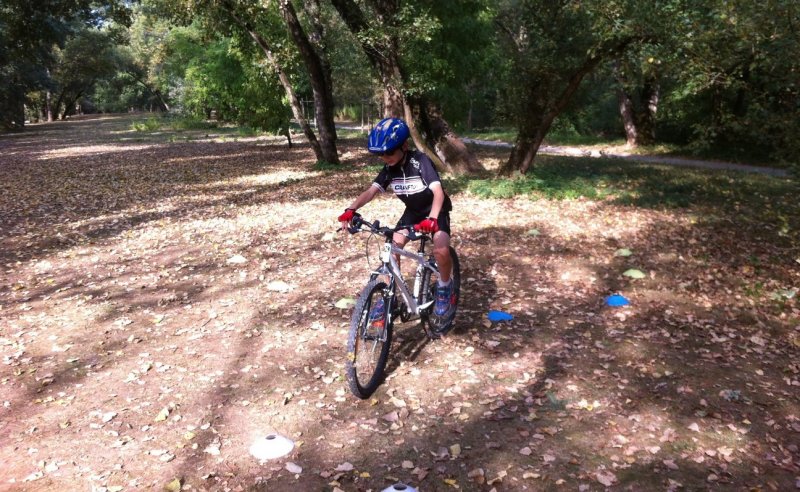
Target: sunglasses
(387, 153)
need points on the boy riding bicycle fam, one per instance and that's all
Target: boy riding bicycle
(410, 174)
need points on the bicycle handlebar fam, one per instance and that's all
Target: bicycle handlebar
(358, 224)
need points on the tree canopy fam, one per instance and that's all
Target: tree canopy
(708, 73)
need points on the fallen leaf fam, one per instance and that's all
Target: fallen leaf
(279, 286)
(345, 467)
(174, 486)
(634, 273)
(293, 468)
(345, 303)
(237, 260)
(162, 415)
(606, 478)
(477, 475)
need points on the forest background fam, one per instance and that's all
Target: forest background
(711, 78)
(174, 289)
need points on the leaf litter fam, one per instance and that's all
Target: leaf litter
(162, 304)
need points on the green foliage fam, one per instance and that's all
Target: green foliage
(29, 33)
(729, 75)
(450, 57)
(567, 178)
(148, 125)
(247, 131)
(326, 166)
(183, 123)
(88, 56)
(727, 70)
(206, 74)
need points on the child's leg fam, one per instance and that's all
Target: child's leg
(400, 240)
(441, 251)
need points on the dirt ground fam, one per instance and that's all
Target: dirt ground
(167, 301)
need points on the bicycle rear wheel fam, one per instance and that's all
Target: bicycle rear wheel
(368, 342)
(437, 326)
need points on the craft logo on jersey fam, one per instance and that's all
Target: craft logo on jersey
(407, 186)
(414, 163)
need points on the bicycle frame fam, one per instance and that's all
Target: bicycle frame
(391, 268)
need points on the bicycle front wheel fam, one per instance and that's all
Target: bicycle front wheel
(369, 340)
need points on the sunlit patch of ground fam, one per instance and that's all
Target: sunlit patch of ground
(161, 311)
(82, 151)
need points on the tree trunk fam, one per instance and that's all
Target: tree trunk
(59, 102)
(647, 117)
(69, 106)
(638, 117)
(49, 106)
(151, 90)
(450, 154)
(542, 113)
(454, 154)
(297, 108)
(320, 84)
(628, 117)
(529, 140)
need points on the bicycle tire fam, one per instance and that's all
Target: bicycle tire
(435, 326)
(362, 343)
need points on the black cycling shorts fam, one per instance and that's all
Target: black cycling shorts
(410, 218)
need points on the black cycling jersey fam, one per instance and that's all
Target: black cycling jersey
(410, 180)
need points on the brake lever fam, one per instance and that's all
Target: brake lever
(355, 224)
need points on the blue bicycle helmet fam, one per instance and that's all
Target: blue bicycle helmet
(388, 134)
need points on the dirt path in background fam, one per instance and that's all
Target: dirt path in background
(651, 159)
(165, 305)
(577, 151)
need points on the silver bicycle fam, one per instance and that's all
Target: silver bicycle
(387, 297)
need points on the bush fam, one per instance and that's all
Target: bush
(192, 123)
(149, 125)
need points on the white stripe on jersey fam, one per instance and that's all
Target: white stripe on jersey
(407, 186)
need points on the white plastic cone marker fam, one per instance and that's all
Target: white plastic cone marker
(271, 446)
(399, 487)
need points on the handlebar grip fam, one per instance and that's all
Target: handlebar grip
(356, 223)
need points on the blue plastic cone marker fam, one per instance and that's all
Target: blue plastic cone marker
(495, 316)
(617, 300)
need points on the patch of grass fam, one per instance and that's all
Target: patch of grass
(192, 123)
(570, 139)
(357, 135)
(731, 153)
(149, 125)
(629, 183)
(503, 134)
(247, 131)
(509, 135)
(327, 166)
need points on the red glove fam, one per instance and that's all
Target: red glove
(348, 214)
(429, 225)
